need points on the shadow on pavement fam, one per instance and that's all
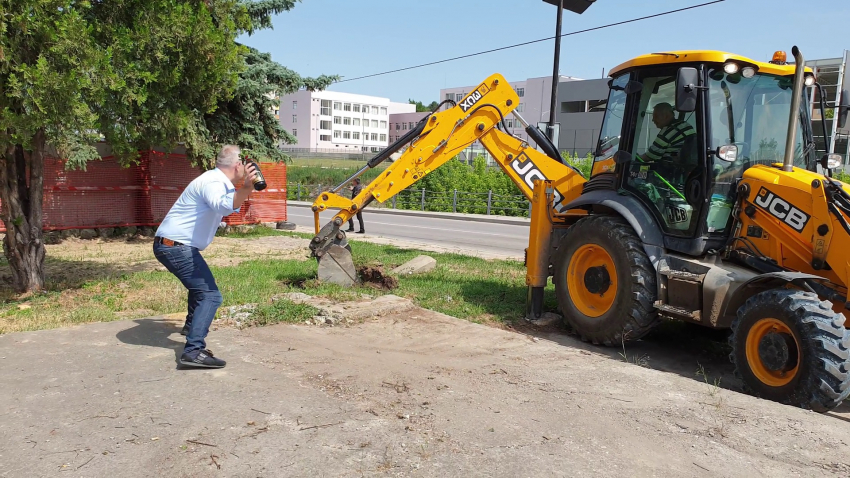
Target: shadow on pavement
(688, 350)
(154, 332)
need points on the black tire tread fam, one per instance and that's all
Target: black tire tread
(828, 383)
(642, 317)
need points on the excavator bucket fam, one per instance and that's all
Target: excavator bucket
(336, 266)
(331, 249)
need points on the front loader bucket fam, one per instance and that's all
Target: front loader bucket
(336, 266)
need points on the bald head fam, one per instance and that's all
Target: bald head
(662, 114)
(228, 156)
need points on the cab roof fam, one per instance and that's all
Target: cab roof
(701, 56)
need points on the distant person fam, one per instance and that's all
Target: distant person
(355, 190)
(188, 228)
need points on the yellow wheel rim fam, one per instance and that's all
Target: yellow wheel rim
(773, 378)
(592, 280)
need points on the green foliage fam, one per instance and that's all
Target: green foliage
(247, 119)
(420, 108)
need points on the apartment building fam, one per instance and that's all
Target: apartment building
(831, 74)
(336, 122)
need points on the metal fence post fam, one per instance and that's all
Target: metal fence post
(423, 199)
(489, 200)
(454, 202)
(529, 208)
(299, 191)
(394, 198)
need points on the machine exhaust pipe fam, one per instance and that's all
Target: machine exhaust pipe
(794, 114)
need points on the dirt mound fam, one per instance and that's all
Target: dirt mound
(374, 276)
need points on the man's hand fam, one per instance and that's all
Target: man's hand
(250, 175)
(247, 186)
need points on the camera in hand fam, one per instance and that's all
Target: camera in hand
(259, 180)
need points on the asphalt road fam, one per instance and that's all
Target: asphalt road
(502, 239)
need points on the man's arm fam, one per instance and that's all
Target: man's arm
(224, 202)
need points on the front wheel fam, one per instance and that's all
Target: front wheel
(790, 347)
(605, 282)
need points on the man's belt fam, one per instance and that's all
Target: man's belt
(167, 242)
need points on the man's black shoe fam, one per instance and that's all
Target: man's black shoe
(361, 232)
(204, 359)
(185, 330)
(350, 230)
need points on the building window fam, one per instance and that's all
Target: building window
(346, 107)
(326, 107)
(346, 120)
(404, 126)
(374, 123)
(276, 112)
(324, 137)
(383, 137)
(374, 136)
(346, 135)
(324, 124)
(597, 105)
(520, 107)
(336, 134)
(355, 135)
(374, 110)
(294, 132)
(520, 92)
(355, 121)
(383, 124)
(337, 119)
(450, 96)
(572, 106)
(397, 126)
(383, 110)
(356, 108)
(365, 109)
(294, 118)
(295, 105)
(411, 125)
(458, 97)
(375, 150)
(337, 105)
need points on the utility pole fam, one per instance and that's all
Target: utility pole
(576, 6)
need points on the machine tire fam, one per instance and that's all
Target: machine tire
(629, 314)
(821, 379)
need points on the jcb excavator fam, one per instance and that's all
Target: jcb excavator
(704, 204)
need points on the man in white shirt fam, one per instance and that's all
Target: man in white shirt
(188, 228)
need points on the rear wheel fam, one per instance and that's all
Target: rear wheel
(604, 281)
(789, 346)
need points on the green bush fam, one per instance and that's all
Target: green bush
(473, 183)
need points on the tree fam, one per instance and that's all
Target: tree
(133, 73)
(423, 108)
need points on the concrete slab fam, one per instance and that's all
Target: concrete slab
(417, 265)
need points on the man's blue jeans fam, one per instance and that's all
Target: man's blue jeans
(186, 263)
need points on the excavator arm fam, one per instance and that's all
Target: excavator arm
(441, 136)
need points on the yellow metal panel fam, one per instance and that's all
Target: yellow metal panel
(701, 56)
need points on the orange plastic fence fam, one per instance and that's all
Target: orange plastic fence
(108, 195)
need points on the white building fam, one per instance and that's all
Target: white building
(335, 122)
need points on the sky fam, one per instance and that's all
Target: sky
(353, 38)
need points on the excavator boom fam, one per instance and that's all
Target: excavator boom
(440, 137)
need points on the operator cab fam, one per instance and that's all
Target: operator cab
(679, 130)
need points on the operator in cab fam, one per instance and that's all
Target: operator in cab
(672, 136)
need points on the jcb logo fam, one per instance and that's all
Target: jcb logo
(473, 97)
(528, 172)
(676, 215)
(782, 209)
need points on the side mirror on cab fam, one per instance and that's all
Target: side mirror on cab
(686, 89)
(843, 109)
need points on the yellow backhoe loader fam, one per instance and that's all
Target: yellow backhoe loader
(706, 203)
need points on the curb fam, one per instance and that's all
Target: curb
(516, 221)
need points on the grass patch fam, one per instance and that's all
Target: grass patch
(256, 231)
(466, 287)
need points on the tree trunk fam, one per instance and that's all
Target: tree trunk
(22, 213)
